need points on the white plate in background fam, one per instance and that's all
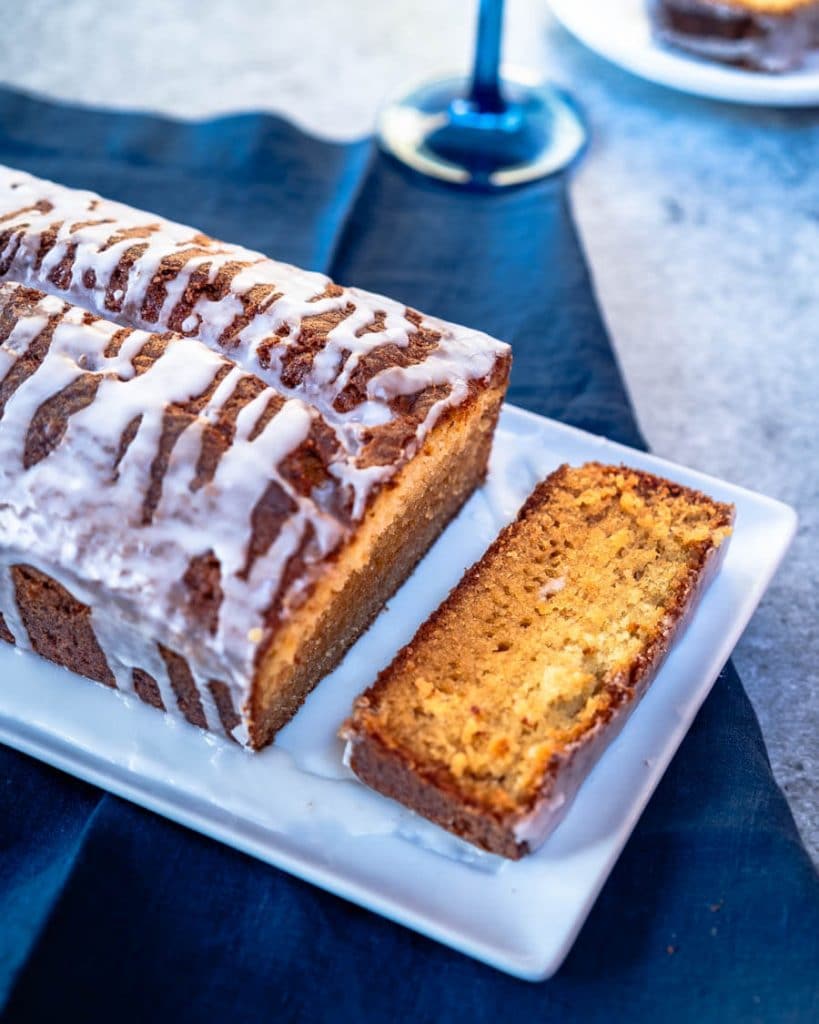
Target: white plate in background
(620, 31)
(295, 806)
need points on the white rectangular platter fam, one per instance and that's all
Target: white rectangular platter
(297, 807)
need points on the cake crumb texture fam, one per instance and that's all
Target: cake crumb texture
(545, 637)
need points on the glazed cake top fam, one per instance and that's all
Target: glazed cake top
(381, 374)
(149, 471)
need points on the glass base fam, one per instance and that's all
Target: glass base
(534, 132)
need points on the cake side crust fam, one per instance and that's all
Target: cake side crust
(403, 521)
(62, 627)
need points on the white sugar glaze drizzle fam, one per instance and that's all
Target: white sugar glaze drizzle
(459, 356)
(535, 826)
(70, 515)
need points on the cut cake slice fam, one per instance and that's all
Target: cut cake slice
(487, 722)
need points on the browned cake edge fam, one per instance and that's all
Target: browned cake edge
(402, 523)
(432, 791)
(59, 628)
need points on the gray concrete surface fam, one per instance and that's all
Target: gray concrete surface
(700, 221)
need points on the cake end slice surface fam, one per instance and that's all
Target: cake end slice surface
(490, 718)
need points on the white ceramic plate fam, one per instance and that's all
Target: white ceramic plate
(620, 31)
(295, 805)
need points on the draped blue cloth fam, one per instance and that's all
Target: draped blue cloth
(110, 913)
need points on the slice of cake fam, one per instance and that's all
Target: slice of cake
(488, 721)
(761, 35)
(172, 526)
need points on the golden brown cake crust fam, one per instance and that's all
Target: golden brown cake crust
(405, 519)
(5, 633)
(59, 628)
(413, 749)
(58, 625)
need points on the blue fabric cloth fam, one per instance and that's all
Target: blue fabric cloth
(108, 912)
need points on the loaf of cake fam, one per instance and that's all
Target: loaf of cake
(760, 35)
(381, 374)
(490, 718)
(172, 526)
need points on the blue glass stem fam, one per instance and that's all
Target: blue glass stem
(484, 131)
(485, 92)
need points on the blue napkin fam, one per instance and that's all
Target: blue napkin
(108, 912)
